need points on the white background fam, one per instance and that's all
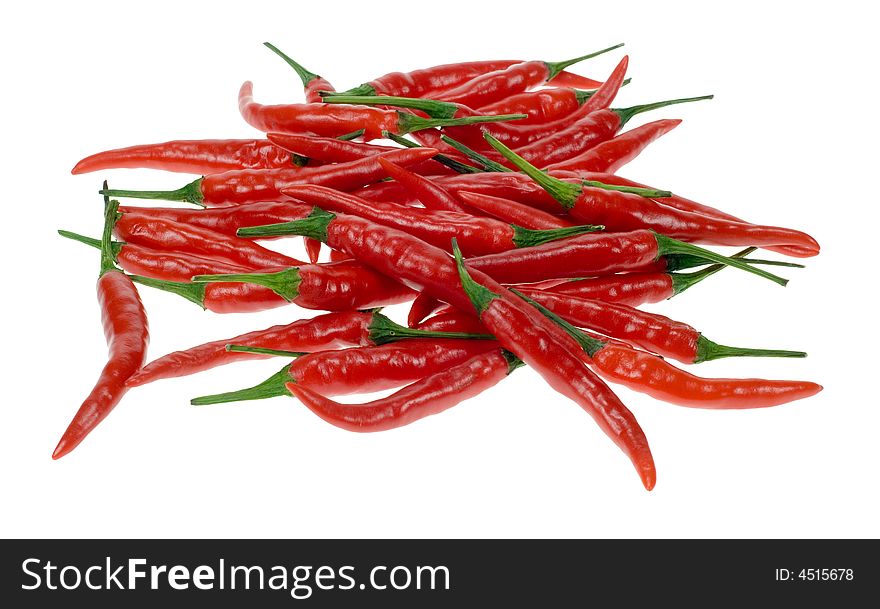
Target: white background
(790, 139)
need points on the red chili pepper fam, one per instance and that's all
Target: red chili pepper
(158, 264)
(494, 86)
(341, 286)
(453, 320)
(430, 395)
(478, 235)
(428, 82)
(312, 83)
(249, 186)
(655, 333)
(619, 211)
(228, 219)
(313, 249)
(328, 331)
(191, 156)
(611, 155)
(514, 212)
(161, 234)
(333, 150)
(421, 307)
(361, 369)
(652, 375)
(523, 332)
(331, 120)
(125, 328)
(430, 194)
(541, 106)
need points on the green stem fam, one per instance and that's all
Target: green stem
(314, 226)
(513, 362)
(264, 351)
(284, 283)
(587, 343)
(194, 292)
(708, 350)
(667, 245)
(191, 193)
(626, 114)
(383, 330)
(363, 89)
(487, 163)
(433, 108)
(581, 96)
(304, 75)
(479, 295)
(272, 387)
(440, 158)
(108, 260)
(555, 67)
(683, 281)
(527, 237)
(648, 193)
(95, 243)
(407, 123)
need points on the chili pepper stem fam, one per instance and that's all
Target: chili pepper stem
(513, 362)
(191, 193)
(272, 387)
(95, 243)
(314, 226)
(194, 292)
(364, 89)
(108, 262)
(304, 75)
(383, 330)
(407, 123)
(526, 237)
(683, 281)
(708, 350)
(626, 114)
(284, 283)
(440, 158)
(668, 245)
(555, 67)
(264, 351)
(487, 163)
(565, 192)
(479, 295)
(589, 344)
(433, 108)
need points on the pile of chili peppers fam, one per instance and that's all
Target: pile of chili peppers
(501, 217)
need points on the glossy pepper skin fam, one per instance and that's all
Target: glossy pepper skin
(430, 395)
(362, 369)
(513, 211)
(427, 82)
(127, 334)
(541, 106)
(611, 155)
(252, 186)
(632, 289)
(191, 156)
(429, 193)
(521, 331)
(157, 233)
(477, 235)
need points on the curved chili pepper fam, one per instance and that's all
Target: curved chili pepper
(611, 155)
(158, 264)
(494, 86)
(430, 395)
(249, 186)
(334, 150)
(312, 83)
(127, 334)
(523, 332)
(622, 211)
(341, 286)
(228, 219)
(430, 81)
(361, 369)
(430, 194)
(478, 235)
(191, 156)
(453, 320)
(653, 332)
(421, 307)
(161, 234)
(543, 105)
(513, 211)
(328, 331)
(647, 373)
(331, 120)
